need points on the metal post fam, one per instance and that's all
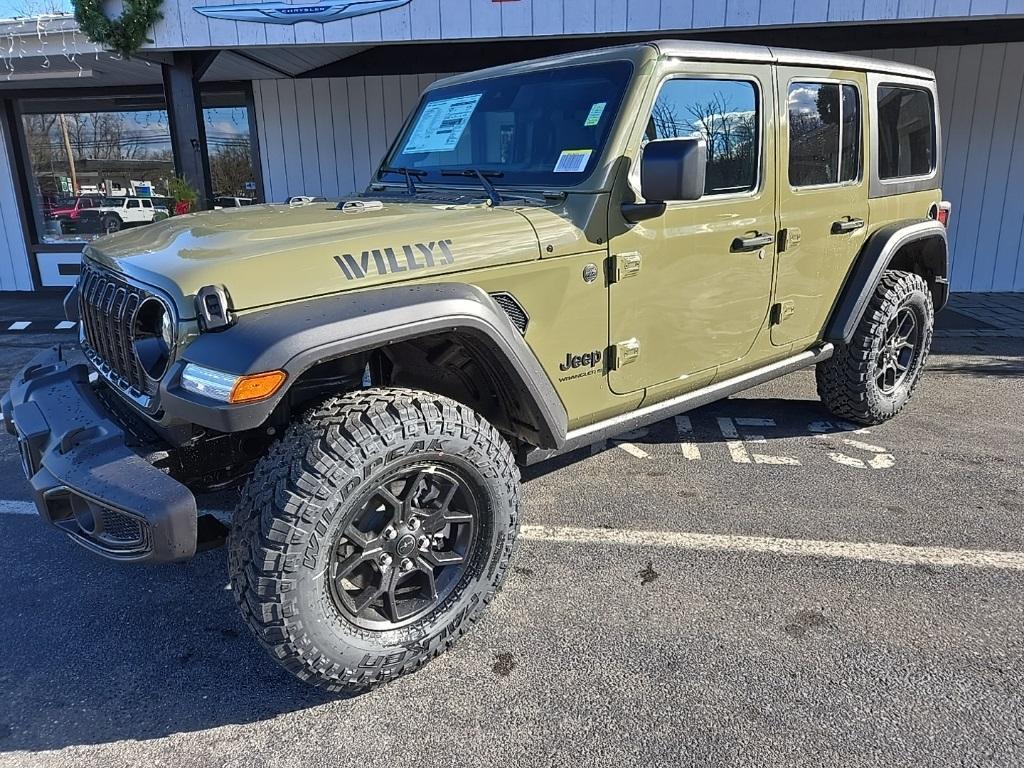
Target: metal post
(188, 133)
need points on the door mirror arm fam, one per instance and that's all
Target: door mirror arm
(634, 213)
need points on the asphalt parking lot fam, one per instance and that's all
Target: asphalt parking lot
(754, 585)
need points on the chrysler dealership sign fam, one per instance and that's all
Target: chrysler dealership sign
(285, 13)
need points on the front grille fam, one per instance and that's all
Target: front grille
(107, 305)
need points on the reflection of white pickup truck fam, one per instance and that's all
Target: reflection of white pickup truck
(116, 213)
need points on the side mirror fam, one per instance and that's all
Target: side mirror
(673, 169)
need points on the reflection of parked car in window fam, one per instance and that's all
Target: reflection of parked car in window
(303, 199)
(231, 202)
(115, 213)
(70, 207)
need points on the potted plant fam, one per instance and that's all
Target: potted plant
(184, 194)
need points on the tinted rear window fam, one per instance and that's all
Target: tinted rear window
(906, 132)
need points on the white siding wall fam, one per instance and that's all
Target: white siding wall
(15, 274)
(325, 137)
(451, 19)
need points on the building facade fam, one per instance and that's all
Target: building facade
(249, 105)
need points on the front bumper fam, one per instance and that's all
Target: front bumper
(85, 479)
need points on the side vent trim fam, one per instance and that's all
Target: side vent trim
(511, 306)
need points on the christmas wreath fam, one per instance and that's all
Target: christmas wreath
(125, 34)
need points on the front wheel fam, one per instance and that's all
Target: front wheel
(869, 380)
(373, 534)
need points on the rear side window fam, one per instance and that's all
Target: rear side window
(726, 114)
(824, 134)
(906, 132)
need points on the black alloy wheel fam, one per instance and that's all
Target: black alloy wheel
(406, 548)
(899, 350)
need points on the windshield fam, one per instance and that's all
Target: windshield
(113, 202)
(545, 128)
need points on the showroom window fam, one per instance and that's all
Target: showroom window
(906, 132)
(725, 114)
(88, 158)
(97, 165)
(824, 134)
(229, 147)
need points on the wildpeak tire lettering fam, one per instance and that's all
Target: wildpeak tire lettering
(390, 261)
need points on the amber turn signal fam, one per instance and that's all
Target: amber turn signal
(258, 386)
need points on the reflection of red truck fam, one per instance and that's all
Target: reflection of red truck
(70, 207)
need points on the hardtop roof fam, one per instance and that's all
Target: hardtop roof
(699, 50)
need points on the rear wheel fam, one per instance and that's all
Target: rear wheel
(873, 377)
(373, 534)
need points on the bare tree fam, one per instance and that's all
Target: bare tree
(42, 7)
(231, 168)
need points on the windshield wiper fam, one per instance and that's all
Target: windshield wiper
(483, 176)
(408, 173)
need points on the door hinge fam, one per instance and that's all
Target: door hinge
(782, 311)
(625, 265)
(624, 353)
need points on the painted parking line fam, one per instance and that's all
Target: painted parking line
(65, 325)
(845, 550)
(632, 450)
(895, 554)
(8, 507)
(19, 325)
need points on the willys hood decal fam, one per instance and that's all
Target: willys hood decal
(286, 13)
(271, 253)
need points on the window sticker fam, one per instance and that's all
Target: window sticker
(573, 160)
(594, 117)
(441, 124)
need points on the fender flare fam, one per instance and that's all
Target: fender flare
(295, 337)
(874, 259)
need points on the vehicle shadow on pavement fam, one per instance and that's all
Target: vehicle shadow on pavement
(788, 418)
(103, 652)
(1004, 356)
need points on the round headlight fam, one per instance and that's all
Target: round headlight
(153, 337)
(167, 330)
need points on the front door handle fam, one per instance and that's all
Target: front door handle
(846, 225)
(755, 243)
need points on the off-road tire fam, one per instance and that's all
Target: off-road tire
(304, 493)
(848, 381)
(111, 223)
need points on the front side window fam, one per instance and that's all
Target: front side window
(824, 134)
(540, 128)
(725, 114)
(906, 132)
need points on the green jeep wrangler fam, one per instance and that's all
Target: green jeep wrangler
(552, 253)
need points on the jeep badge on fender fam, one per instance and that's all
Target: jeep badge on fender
(578, 361)
(371, 386)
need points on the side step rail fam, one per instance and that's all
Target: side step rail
(652, 414)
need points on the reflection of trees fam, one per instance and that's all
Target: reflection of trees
(92, 135)
(730, 136)
(231, 168)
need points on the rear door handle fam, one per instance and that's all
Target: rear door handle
(849, 224)
(755, 243)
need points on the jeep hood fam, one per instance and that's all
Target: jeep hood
(275, 253)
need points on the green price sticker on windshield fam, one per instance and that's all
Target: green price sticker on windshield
(594, 117)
